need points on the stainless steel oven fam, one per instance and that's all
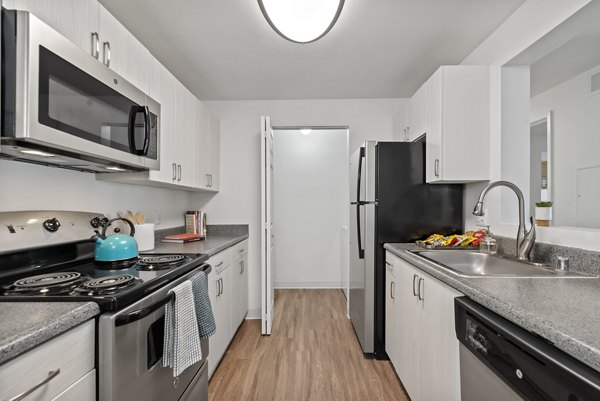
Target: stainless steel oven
(61, 106)
(130, 353)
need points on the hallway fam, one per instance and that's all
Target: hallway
(312, 355)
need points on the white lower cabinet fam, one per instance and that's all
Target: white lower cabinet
(228, 293)
(420, 336)
(65, 362)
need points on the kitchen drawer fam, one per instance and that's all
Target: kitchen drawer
(71, 352)
(83, 389)
(220, 261)
(391, 263)
(239, 250)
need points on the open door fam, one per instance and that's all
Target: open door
(267, 234)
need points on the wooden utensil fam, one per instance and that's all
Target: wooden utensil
(121, 215)
(131, 216)
(139, 218)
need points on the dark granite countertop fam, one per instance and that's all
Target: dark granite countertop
(27, 324)
(561, 310)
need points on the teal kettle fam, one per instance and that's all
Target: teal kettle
(118, 247)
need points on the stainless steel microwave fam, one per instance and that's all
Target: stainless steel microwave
(62, 107)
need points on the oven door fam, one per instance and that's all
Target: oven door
(130, 354)
(67, 100)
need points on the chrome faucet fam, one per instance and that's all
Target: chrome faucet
(525, 239)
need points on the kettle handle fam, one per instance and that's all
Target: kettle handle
(109, 222)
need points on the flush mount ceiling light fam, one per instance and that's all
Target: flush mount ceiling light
(301, 21)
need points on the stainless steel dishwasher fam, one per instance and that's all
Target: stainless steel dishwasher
(501, 361)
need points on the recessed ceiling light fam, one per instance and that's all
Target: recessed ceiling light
(37, 153)
(301, 21)
(306, 131)
(115, 168)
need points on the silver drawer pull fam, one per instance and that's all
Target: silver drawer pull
(51, 375)
(219, 264)
(241, 250)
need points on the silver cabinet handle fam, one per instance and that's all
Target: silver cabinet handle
(222, 286)
(421, 293)
(95, 45)
(51, 375)
(106, 60)
(219, 264)
(414, 290)
(218, 287)
(241, 267)
(207, 180)
(210, 180)
(174, 171)
(179, 172)
(393, 289)
(436, 167)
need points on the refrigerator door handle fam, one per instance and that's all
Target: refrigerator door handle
(361, 250)
(359, 203)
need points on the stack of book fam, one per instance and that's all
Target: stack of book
(195, 228)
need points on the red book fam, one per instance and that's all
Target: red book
(181, 238)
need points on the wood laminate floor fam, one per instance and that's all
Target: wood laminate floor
(312, 354)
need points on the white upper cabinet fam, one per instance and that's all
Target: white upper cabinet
(121, 51)
(74, 19)
(457, 124)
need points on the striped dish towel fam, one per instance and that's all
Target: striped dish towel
(182, 341)
(204, 313)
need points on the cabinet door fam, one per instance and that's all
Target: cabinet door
(244, 289)
(128, 57)
(225, 307)
(74, 19)
(201, 123)
(214, 345)
(162, 89)
(439, 361)
(214, 157)
(433, 153)
(391, 319)
(408, 311)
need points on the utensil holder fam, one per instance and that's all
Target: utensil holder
(144, 235)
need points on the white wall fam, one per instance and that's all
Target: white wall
(575, 139)
(310, 207)
(238, 201)
(25, 186)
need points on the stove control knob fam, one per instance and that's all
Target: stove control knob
(95, 222)
(52, 225)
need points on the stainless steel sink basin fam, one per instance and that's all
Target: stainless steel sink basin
(476, 264)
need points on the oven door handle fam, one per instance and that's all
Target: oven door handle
(142, 313)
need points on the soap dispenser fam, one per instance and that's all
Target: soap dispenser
(488, 244)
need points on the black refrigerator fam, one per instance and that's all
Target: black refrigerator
(391, 203)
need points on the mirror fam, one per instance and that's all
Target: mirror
(564, 136)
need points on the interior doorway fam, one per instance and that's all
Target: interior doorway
(311, 206)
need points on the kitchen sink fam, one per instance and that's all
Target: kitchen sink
(477, 264)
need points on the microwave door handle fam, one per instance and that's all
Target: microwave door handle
(131, 129)
(147, 131)
(142, 313)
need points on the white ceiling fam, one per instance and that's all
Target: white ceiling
(224, 49)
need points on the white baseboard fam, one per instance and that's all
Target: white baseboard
(307, 284)
(253, 314)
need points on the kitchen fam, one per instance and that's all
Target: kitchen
(213, 163)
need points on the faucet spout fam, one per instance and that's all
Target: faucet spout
(524, 242)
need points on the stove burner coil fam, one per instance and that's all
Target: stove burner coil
(107, 285)
(46, 284)
(159, 262)
(45, 280)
